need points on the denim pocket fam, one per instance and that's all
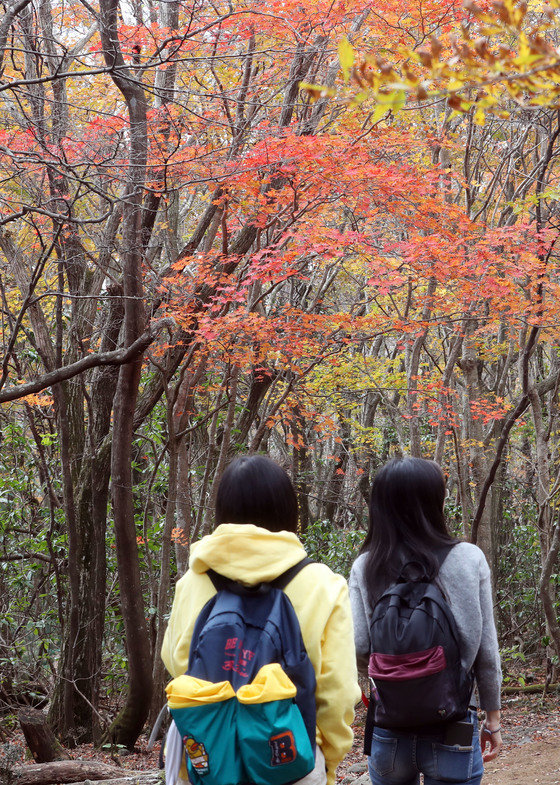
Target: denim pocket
(382, 756)
(452, 764)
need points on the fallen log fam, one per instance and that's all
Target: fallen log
(64, 771)
(133, 778)
(529, 689)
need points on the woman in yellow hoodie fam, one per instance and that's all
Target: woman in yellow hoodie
(255, 541)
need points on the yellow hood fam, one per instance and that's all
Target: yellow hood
(246, 553)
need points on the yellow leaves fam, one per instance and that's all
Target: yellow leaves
(479, 116)
(316, 91)
(458, 104)
(505, 54)
(354, 374)
(429, 57)
(393, 101)
(508, 12)
(530, 52)
(346, 57)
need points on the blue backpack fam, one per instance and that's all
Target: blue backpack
(245, 710)
(417, 678)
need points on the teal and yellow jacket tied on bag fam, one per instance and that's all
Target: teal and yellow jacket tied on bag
(255, 735)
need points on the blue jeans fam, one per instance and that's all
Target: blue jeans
(399, 758)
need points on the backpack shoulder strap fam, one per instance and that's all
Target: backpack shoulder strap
(222, 583)
(444, 551)
(283, 580)
(441, 554)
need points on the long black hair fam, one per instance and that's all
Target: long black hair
(255, 489)
(406, 522)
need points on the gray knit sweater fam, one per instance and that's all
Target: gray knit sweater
(465, 578)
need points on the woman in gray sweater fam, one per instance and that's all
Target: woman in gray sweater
(407, 525)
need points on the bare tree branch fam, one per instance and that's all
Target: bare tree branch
(117, 357)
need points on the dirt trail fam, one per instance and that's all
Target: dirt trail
(533, 762)
(532, 743)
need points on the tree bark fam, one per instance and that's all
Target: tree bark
(158, 670)
(412, 375)
(81, 660)
(546, 590)
(129, 723)
(39, 736)
(61, 772)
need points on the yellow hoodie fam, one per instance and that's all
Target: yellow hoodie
(251, 555)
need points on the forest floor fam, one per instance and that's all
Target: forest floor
(531, 754)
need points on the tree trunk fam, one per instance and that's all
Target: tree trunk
(549, 536)
(301, 468)
(333, 493)
(129, 723)
(68, 684)
(82, 651)
(224, 449)
(475, 436)
(546, 590)
(412, 375)
(158, 672)
(39, 736)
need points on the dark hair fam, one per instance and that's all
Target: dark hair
(406, 522)
(255, 489)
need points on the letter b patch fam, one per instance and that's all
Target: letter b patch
(283, 748)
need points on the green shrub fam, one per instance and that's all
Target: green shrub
(335, 547)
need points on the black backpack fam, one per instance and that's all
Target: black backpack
(416, 675)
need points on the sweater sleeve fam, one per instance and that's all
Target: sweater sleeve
(337, 689)
(487, 666)
(191, 594)
(359, 606)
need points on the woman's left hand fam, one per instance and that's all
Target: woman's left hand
(492, 741)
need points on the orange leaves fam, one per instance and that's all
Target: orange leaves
(489, 410)
(180, 536)
(38, 399)
(295, 441)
